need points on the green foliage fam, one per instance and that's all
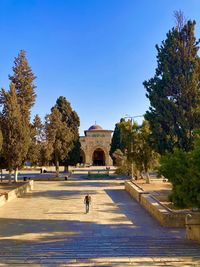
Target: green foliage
(37, 140)
(62, 133)
(1, 140)
(124, 169)
(15, 115)
(14, 133)
(59, 136)
(119, 157)
(183, 171)
(71, 118)
(174, 91)
(74, 155)
(23, 78)
(143, 153)
(138, 155)
(117, 142)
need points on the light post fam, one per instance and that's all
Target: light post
(131, 118)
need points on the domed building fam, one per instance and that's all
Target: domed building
(95, 146)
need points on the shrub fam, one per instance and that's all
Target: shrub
(183, 171)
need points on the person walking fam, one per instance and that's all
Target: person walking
(87, 201)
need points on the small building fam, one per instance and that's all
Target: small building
(95, 146)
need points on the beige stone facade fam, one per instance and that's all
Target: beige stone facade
(95, 146)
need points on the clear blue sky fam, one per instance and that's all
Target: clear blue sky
(96, 53)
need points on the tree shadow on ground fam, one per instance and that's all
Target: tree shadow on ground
(89, 184)
(59, 194)
(139, 216)
(49, 240)
(60, 241)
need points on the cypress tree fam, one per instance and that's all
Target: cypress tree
(37, 137)
(117, 142)
(23, 78)
(71, 118)
(14, 134)
(59, 136)
(174, 91)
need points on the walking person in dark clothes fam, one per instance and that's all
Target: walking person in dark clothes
(87, 201)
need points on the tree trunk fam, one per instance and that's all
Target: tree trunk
(136, 175)
(10, 177)
(1, 175)
(66, 168)
(142, 175)
(57, 167)
(16, 175)
(147, 177)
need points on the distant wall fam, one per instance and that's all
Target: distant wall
(38, 168)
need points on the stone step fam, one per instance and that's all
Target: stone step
(108, 262)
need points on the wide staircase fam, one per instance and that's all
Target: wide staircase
(49, 227)
(92, 250)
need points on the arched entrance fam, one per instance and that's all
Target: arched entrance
(98, 158)
(82, 157)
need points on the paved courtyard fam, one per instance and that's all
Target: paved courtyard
(49, 227)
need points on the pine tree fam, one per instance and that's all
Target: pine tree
(174, 91)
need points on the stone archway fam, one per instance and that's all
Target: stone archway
(82, 157)
(98, 157)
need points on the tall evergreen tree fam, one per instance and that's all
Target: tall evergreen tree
(71, 118)
(74, 155)
(59, 136)
(174, 91)
(14, 133)
(23, 78)
(117, 142)
(37, 137)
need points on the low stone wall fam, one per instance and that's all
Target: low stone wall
(193, 226)
(164, 215)
(134, 190)
(17, 192)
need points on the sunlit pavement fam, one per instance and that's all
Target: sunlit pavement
(49, 227)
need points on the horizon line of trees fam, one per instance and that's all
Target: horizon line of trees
(55, 141)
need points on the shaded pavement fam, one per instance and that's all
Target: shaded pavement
(49, 227)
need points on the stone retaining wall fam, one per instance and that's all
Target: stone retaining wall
(164, 215)
(193, 226)
(134, 190)
(17, 192)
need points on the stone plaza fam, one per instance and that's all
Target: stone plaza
(49, 227)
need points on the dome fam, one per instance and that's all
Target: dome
(95, 128)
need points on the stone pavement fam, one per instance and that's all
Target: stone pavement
(49, 227)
